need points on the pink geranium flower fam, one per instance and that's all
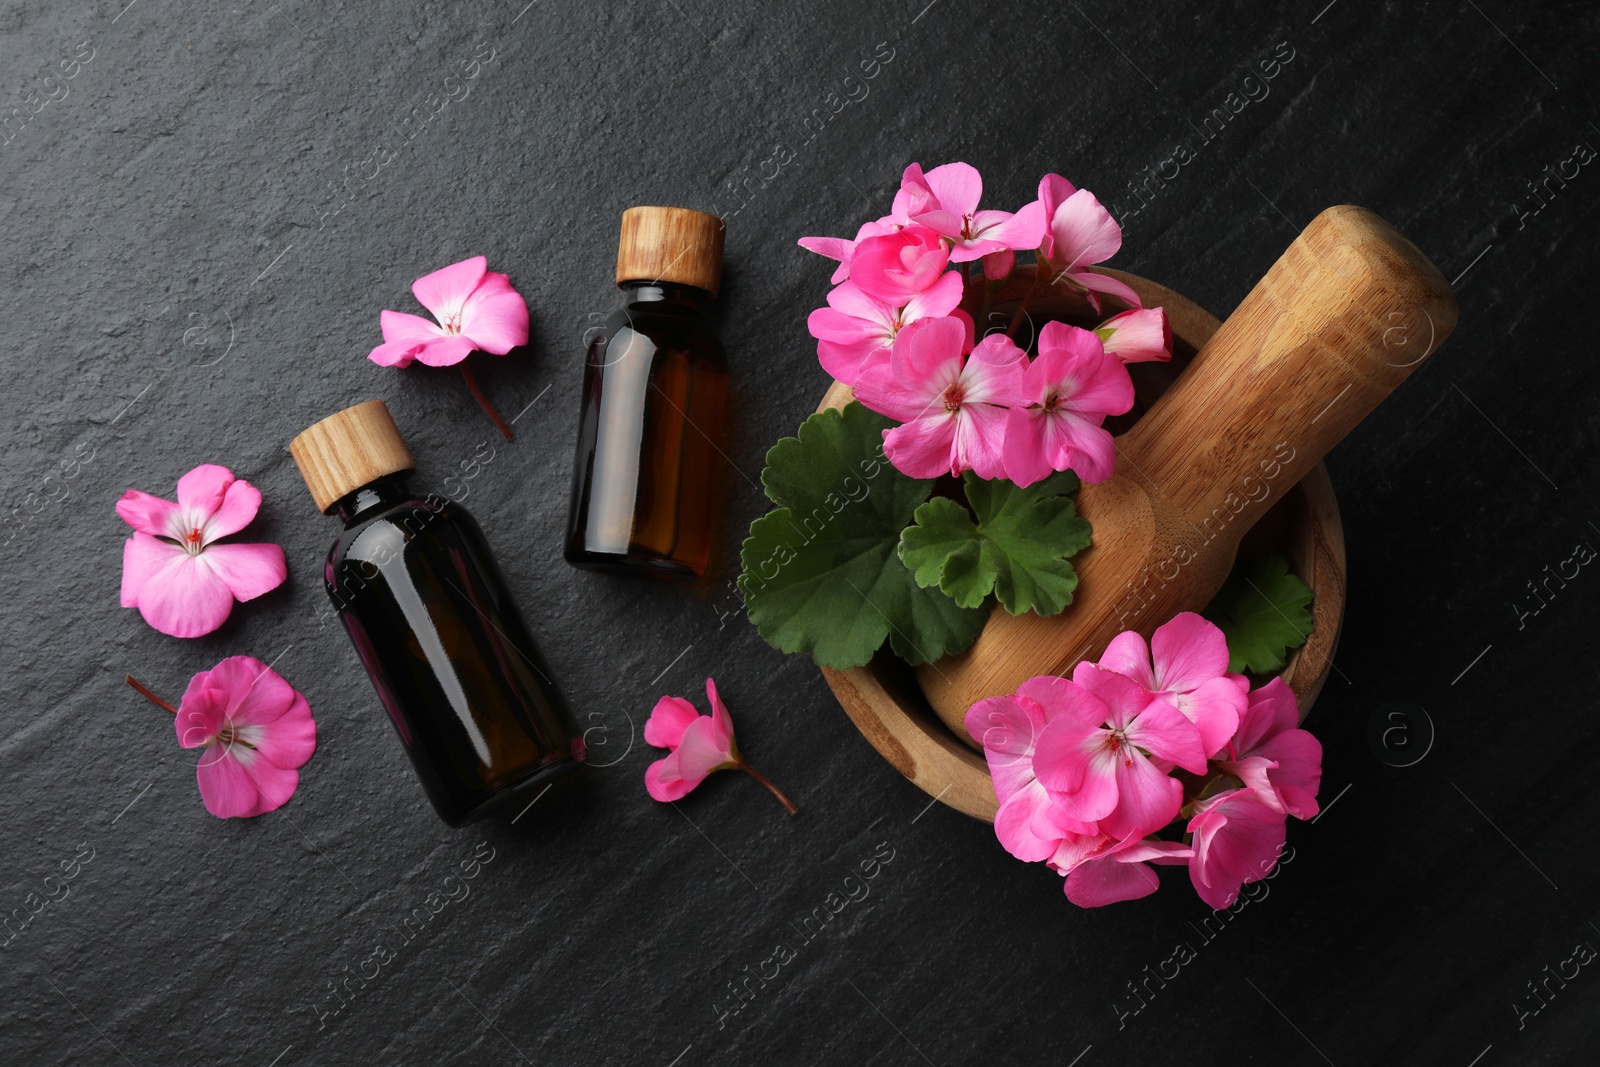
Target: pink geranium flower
(1067, 392)
(952, 409)
(1237, 840)
(1008, 728)
(945, 200)
(175, 571)
(1095, 756)
(1189, 672)
(1142, 335)
(856, 330)
(476, 310)
(698, 745)
(255, 731)
(1281, 763)
(897, 266)
(842, 248)
(1079, 233)
(1120, 870)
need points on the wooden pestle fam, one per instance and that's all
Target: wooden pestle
(1341, 319)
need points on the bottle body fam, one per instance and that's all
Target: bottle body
(649, 469)
(469, 695)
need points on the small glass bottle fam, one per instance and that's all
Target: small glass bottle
(646, 486)
(424, 602)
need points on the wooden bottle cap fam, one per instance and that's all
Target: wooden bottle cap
(671, 244)
(347, 450)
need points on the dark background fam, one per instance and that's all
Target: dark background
(195, 242)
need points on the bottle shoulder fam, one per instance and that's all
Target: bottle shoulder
(387, 530)
(666, 327)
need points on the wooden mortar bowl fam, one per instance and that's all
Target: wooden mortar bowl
(883, 698)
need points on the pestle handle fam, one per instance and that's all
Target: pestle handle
(1340, 320)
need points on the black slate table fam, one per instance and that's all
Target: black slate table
(198, 226)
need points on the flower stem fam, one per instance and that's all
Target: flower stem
(151, 697)
(774, 790)
(1027, 302)
(483, 402)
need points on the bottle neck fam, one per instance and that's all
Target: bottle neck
(382, 492)
(667, 293)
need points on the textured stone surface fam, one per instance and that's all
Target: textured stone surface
(195, 241)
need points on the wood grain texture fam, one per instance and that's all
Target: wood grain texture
(1297, 365)
(885, 700)
(671, 244)
(347, 450)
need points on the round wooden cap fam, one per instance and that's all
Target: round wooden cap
(671, 244)
(347, 450)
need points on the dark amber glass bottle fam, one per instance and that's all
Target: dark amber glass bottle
(427, 609)
(649, 470)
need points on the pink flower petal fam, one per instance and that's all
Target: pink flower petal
(835, 248)
(922, 447)
(239, 506)
(1214, 708)
(847, 363)
(938, 300)
(993, 374)
(668, 720)
(247, 570)
(958, 186)
(663, 781)
(1297, 775)
(143, 557)
(185, 598)
(1271, 710)
(702, 750)
(445, 290)
(721, 721)
(202, 711)
(495, 316)
(1188, 650)
(897, 265)
(979, 444)
(1237, 840)
(150, 514)
(1078, 848)
(445, 351)
(1023, 451)
(1098, 882)
(1162, 731)
(827, 324)
(1060, 697)
(1138, 336)
(1021, 231)
(1015, 821)
(257, 695)
(1083, 232)
(1053, 189)
(201, 492)
(1121, 698)
(1253, 772)
(1095, 284)
(399, 326)
(1129, 656)
(290, 741)
(228, 790)
(1147, 799)
(395, 353)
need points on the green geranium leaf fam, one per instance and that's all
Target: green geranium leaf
(1017, 547)
(821, 574)
(1264, 611)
